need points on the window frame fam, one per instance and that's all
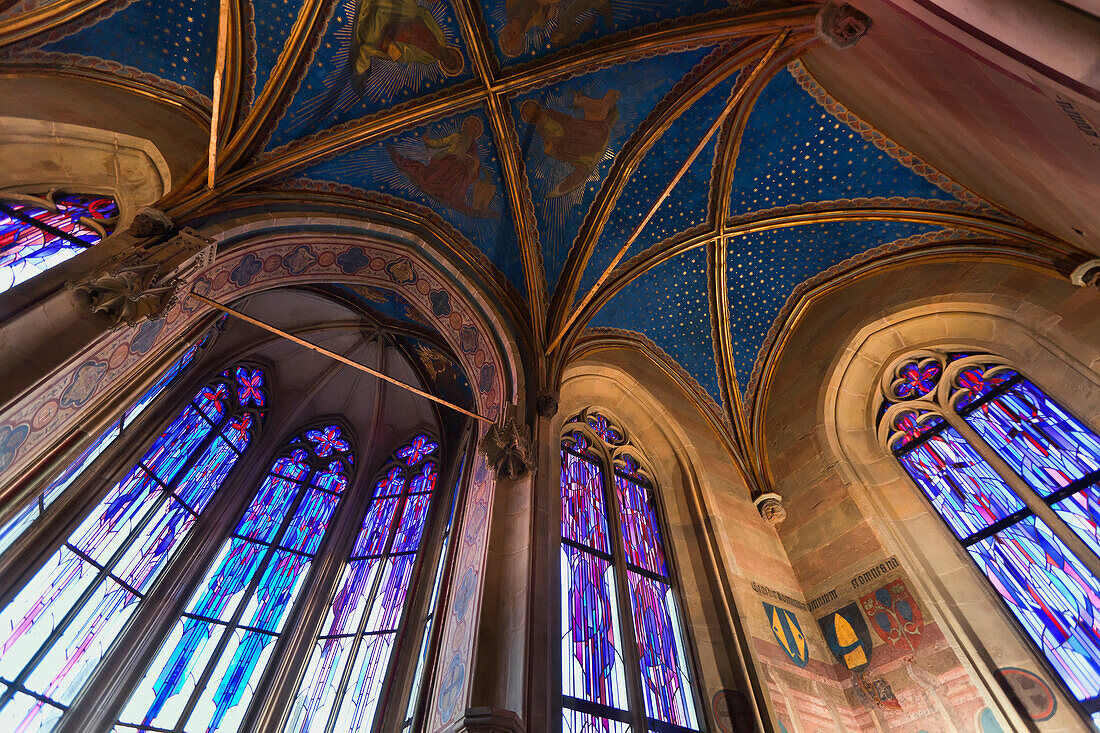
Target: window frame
(609, 457)
(943, 401)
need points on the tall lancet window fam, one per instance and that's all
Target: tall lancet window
(204, 675)
(358, 643)
(1015, 477)
(625, 661)
(37, 233)
(58, 627)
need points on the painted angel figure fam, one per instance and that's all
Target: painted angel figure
(578, 142)
(572, 18)
(454, 175)
(402, 31)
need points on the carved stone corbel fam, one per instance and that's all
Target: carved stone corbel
(546, 403)
(508, 449)
(770, 506)
(840, 25)
(1087, 274)
(150, 222)
(143, 285)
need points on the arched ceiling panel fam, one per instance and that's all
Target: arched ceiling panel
(793, 151)
(687, 204)
(528, 29)
(569, 133)
(765, 267)
(451, 167)
(669, 306)
(374, 55)
(272, 21)
(174, 39)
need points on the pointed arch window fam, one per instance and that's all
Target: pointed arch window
(625, 661)
(60, 624)
(37, 233)
(205, 673)
(1017, 479)
(356, 648)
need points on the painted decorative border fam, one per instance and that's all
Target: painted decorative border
(87, 20)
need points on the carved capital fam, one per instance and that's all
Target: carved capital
(490, 720)
(1087, 274)
(840, 25)
(771, 508)
(150, 222)
(546, 403)
(508, 449)
(142, 285)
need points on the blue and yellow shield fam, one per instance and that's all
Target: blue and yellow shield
(848, 637)
(788, 633)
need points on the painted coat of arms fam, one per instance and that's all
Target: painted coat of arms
(894, 615)
(788, 633)
(848, 637)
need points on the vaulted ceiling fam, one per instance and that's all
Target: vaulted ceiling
(669, 167)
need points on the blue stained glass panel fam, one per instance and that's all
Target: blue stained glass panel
(583, 517)
(182, 658)
(70, 661)
(27, 249)
(200, 483)
(179, 441)
(309, 522)
(212, 401)
(327, 441)
(318, 692)
(412, 521)
(151, 550)
(250, 386)
(417, 450)
(1043, 443)
(1081, 511)
(639, 522)
(1053, 596)
(231, 573)
(268, 508)
(350, 598)
(295, 466)
(376, 525)
(223, 704)
(391, 485)
(239, 431)
(573, 721)
(666, 684)
(332, 480)
(425, 480)
(369, 671)
(592, 662)
(966, 492)
(387, 604)
(110, 523)
(276, 591)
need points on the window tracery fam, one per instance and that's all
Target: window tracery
(204, 675)
(353, 653)
(625, 663)
(37, 233)
(1015, 477)
(58, 627)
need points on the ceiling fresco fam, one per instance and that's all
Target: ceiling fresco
(511, 125)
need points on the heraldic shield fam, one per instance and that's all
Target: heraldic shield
(895, 615)
(848, 637)
(788, 633)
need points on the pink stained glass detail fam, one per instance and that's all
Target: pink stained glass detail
(583, 516)
(212, 401)
(573, 721)
(980, 381)
(295, 466)
(392, 484)
(416, 451)
(411, 526)
(914, 425)
(602, 428)
(641, 537)
(424, 481)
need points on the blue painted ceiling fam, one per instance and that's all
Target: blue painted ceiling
(372, 55)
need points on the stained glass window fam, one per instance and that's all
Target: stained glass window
(59, 626)
(344, 678)
(624, 657)
(36, 234)
(1051, 592)
(205, 674)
